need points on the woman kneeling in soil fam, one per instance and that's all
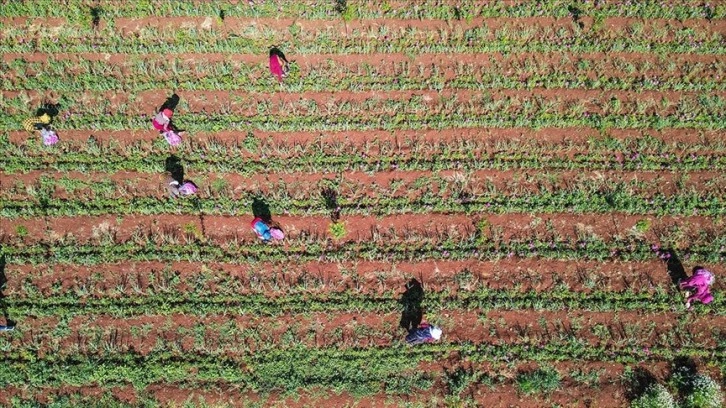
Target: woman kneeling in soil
(265, 232)
(162, 123)
(424, 333)
(176, 188)
(697, 287)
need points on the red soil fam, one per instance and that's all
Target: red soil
(357, 184)
(568, 137)
(368, 278)
(295, 104)
(222, 229)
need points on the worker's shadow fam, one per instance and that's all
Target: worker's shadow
(330, 196)
(411, 300)
(3, 281)
(638, 382)
(174, 167)
(261, 210)
(673, 265)
(50, 109)
(170, 103)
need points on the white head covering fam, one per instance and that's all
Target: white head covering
(436, 332)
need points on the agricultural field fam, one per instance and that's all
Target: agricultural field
(546, 170)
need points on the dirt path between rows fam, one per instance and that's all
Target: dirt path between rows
(222, 229)
(365, 277)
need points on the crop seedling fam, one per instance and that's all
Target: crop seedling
(538, 381)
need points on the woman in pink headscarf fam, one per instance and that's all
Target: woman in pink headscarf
(697, 287)
(162, 123)
(278, 63)
(162, 120)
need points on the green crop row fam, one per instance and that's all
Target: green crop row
(505, 115)
(80, 10)
(533, 106)
(641, 37)
(303, 191)
(360, 372)
(203, 301)
(142, 75)
(328, 154)
(617, 198)
(286, 278)
(191, 245)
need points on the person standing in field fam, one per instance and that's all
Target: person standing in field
(278, 64)
(697, 287)
(424, 333)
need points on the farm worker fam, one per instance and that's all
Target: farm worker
(278, 64)
(36, 122)
(697, 286)
(49, 136)
(185, 188)
(265, 232)
(424, 333)
(162, 120)
(162, 123)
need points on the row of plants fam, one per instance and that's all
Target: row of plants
(650, 36)
(125, 302)
(305, 189)
(585, 106)
(81, 10)
(618, 197)
(510, 112)
(230, 339)
(141, 278)
(569, 72)
(250, 155)
(360, 372)
(188, 243)
(147, 278)
(631, 144)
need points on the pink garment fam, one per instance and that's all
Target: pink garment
(49, 137)
(188, 188)
(276, 67)
(277, 234)
(172, 137)
(699, 283)
(160, 122)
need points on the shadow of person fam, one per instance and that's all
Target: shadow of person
(96, 16)
(50, 109)
(170, 103)
(276, 51)
(673, 265)
(330, 196)
(638, 382)
(683, 372)
(411, 299)
(174, 167)
(261, 210)
(3, 305)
